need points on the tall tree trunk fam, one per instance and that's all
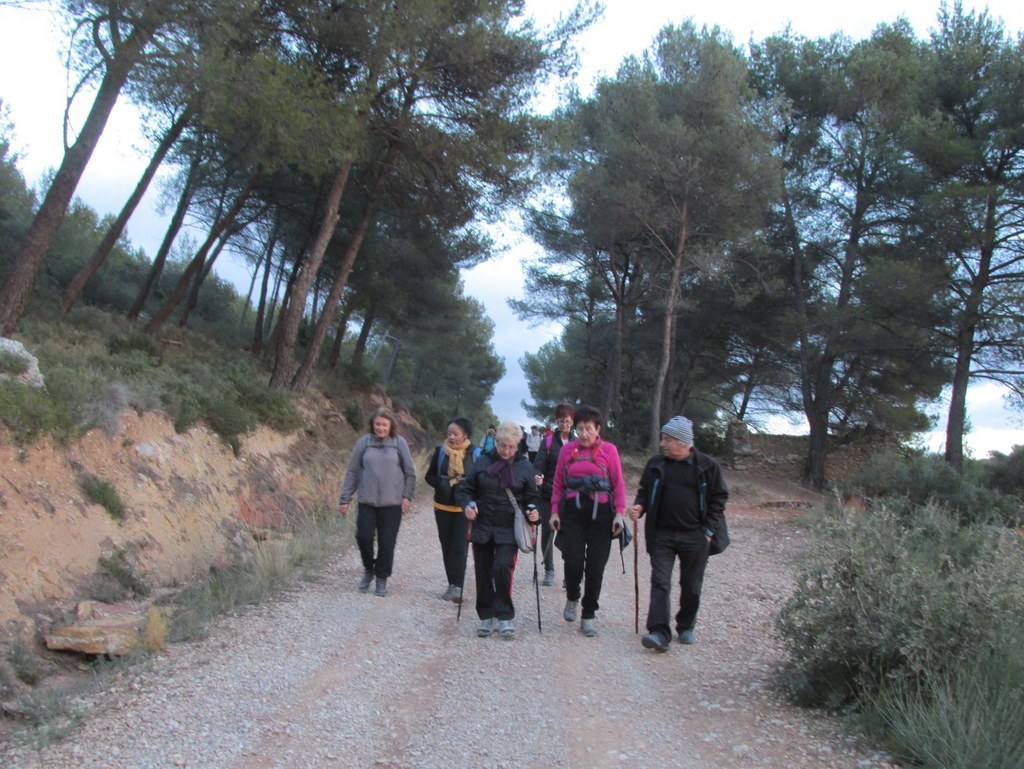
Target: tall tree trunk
(84, 275)
(287, 330)
(956, 417)
(817, 448)
(613, 393)
(261, 307)
(16, 291)
(196, 265)
(275, 336)
(202, 274)
(177, 220)
(305, 372)
(339, 336)
(668, 338)
(364, 334)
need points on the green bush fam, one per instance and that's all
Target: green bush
(229, 419)
(104, 494)
(29, 413)
(270, 407)
(912, 481)
(965, 718)
(12, 364)
(1006, 472)
(895, 594)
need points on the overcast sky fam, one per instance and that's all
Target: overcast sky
(32, 83)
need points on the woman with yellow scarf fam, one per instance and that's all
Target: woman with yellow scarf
(451, 461)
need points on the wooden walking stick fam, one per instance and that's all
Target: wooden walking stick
(636, 582)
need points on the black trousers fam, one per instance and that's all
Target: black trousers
(451, 533)
(382, 522)
(494, 565)
(691, 548)
(586, 544)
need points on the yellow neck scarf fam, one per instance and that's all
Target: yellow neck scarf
(456, 460)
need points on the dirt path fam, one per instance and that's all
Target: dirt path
(329, 677)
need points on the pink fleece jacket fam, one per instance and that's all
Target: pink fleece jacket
(600, 459)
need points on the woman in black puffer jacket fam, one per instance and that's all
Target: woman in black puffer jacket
(449, 465)
(484, 496)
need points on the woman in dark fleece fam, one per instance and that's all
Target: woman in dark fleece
(484, 494)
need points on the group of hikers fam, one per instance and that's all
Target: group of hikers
(572, 489)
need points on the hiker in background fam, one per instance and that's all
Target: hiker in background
(487, 444)
(451, 461)
(533, 442)
(544, 468)
(484, 495)
(588, 505)
(682, 494)
(381, 472)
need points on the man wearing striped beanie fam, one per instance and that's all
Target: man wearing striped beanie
(682, 497)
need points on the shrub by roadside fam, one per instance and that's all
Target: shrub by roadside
(891, 602)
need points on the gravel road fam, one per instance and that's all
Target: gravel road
(325, 676)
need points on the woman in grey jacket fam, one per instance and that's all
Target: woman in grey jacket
(382, 474)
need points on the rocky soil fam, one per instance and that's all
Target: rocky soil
(325, 676)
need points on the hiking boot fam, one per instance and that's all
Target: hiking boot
(588, 626)
(569, 612)
(486, 628)
(456, 592)
(449, 594)
(506, 629)
(549, 578)
(382, 586)
(687, 637)
(655, 640)
(364, 583)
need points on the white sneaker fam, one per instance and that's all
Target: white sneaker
(506, 629)
(486, 628)
(569, 612)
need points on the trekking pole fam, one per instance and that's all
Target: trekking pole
(536, 582)
(462, 587)
(636, 582)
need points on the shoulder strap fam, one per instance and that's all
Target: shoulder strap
(440, 457)
(595, 455)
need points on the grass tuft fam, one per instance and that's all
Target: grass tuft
(104, 494)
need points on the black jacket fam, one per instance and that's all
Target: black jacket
(547, 460)
(495, 514)
(437, 477)
(712, 494)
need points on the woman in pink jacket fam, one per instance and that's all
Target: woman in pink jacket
(588, 506)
